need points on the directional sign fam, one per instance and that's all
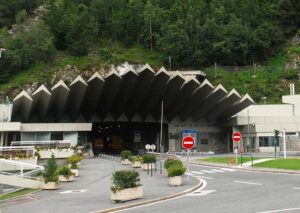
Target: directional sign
(236, 137)
(188, 142)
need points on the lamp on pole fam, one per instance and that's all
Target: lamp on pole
(1, 50)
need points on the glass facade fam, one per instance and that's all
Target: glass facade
(267, 141)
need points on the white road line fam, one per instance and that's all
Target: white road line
(281, 210)
(251, 183)
(201, 193)
(227, 169)
(205, 177)
(207, 171)
(217, 170)
(196, 172)
(296, 187)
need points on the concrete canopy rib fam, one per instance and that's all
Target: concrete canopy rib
(129, 79)
(21, 107)
(158, 86)
(60, 92)
(224, 104)
(209, 102)
(92, 96)
(41, 99)
(195, 100)
(146, 75)
(111, 88)
(186, 91)
(172, 91)
(237, 107)
(75, 98)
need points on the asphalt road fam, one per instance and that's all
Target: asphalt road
(234, 191)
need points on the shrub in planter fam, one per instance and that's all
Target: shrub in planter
(175, 172)
(65, 174)
(170, 162)
(73, 161)
(149, 161)
(125, 156)
(136, 161)
(126, 185)
(50, 174)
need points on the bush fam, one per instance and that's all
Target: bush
(176, 170)
(73, 160)
(50, 173)
(65, 171)
(136, 158)
(125, 179)
(126, 154)
(149, 158)
(170, 162)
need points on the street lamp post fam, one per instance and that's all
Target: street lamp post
(1, 51)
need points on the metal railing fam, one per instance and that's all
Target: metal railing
(246, 154)
(109, 157)
(44, 144)
(10, 152)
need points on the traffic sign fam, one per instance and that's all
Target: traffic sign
(152, 147)
(188, 142)
(148, 146)
(236, 137)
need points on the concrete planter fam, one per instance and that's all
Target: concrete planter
(65, 179)
(40, 178)
(75, 171)
(126, 162)
(136, 164)
(175, 181)
(50, 186)
(63, 153)
(146, 167)
(127, 194)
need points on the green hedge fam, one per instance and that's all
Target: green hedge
(125, 179)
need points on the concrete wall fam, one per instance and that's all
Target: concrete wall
(209, 137)
(5, 112)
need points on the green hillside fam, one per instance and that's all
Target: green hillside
(252, 52)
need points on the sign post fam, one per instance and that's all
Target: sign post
(188, 143)
(236, 137)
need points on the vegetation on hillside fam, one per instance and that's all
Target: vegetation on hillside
(94, 34)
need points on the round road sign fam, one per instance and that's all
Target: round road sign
(188, 142)
(236, 137)
(152, 147)
(148, 146)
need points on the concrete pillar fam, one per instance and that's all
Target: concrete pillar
(256, 144)
(1, 139)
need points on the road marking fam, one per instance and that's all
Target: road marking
(201, 193)
(73, 191)
(296, 187)
(196, 172)
(217, 170)
(280, 210)
(207, 171)
(205, 177)
(227, 169)
(250, 183)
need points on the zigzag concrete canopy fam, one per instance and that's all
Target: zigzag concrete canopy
(134, 95)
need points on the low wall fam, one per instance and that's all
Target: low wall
(63, 153)
(9, 167)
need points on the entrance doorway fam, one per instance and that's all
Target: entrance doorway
(113, 137)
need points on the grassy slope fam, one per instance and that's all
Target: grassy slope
(225, 159)
(103, 56)
(16, 194)
(293, 164)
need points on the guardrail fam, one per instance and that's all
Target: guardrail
(43, 144)
(109, 157)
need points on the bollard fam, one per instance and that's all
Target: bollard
(155, 166)
(148, 169)
(151, 169)
(160, 167)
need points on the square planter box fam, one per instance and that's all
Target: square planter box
(127, 194)
(126, 162)
(50, 186)
(148, 166)
(64, 179)
(136, 164)
(175, 181)
(75, 171)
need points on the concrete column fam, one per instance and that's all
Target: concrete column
(256, 144)
(1, 139)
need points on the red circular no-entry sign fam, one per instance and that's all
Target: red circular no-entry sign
(188, 142)
(236, 137)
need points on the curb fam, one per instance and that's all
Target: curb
(250, 170)
(152, 201)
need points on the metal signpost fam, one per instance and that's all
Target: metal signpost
(236, 137)
(188, 143)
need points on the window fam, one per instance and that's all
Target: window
(267, 141)
(204, 141)
(56, 136)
